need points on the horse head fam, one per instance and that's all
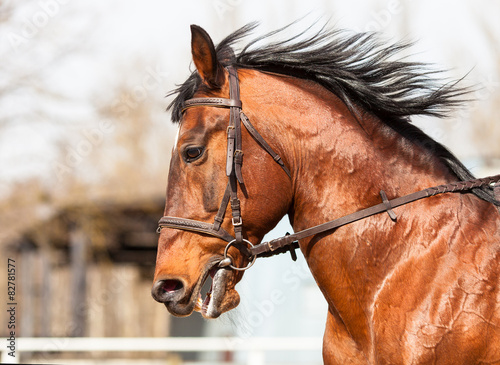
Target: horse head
(208, 172)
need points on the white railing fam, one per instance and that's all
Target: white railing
(256, 348)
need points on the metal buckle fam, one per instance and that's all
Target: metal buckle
(237, 224)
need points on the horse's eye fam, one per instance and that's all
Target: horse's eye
(193, 153)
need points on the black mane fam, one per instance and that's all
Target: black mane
(361, 71)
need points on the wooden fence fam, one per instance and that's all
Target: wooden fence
(115, 301)
(87, 275)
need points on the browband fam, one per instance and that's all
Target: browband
(217, 102)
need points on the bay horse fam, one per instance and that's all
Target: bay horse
(319, 128)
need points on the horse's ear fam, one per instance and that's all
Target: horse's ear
(205, 58)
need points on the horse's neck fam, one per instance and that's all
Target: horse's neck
(340, 164)
(344, 163)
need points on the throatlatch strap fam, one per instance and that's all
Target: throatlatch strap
(256, 135)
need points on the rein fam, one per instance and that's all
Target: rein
(386, 206)
(234, 160)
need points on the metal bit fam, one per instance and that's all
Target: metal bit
(225, 262)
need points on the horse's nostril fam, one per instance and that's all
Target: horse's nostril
(171, 285)
(167, 290)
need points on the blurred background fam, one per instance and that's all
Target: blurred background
(85, 145)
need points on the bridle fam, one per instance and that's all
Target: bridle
(234, 160)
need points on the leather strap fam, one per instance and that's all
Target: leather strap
(217, 102)
(388, 206)
(276, 244)
(234, 160)
(256, 135)
(234, 121)
(219, 217)
(194, 226)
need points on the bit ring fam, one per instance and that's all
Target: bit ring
(252, 261)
